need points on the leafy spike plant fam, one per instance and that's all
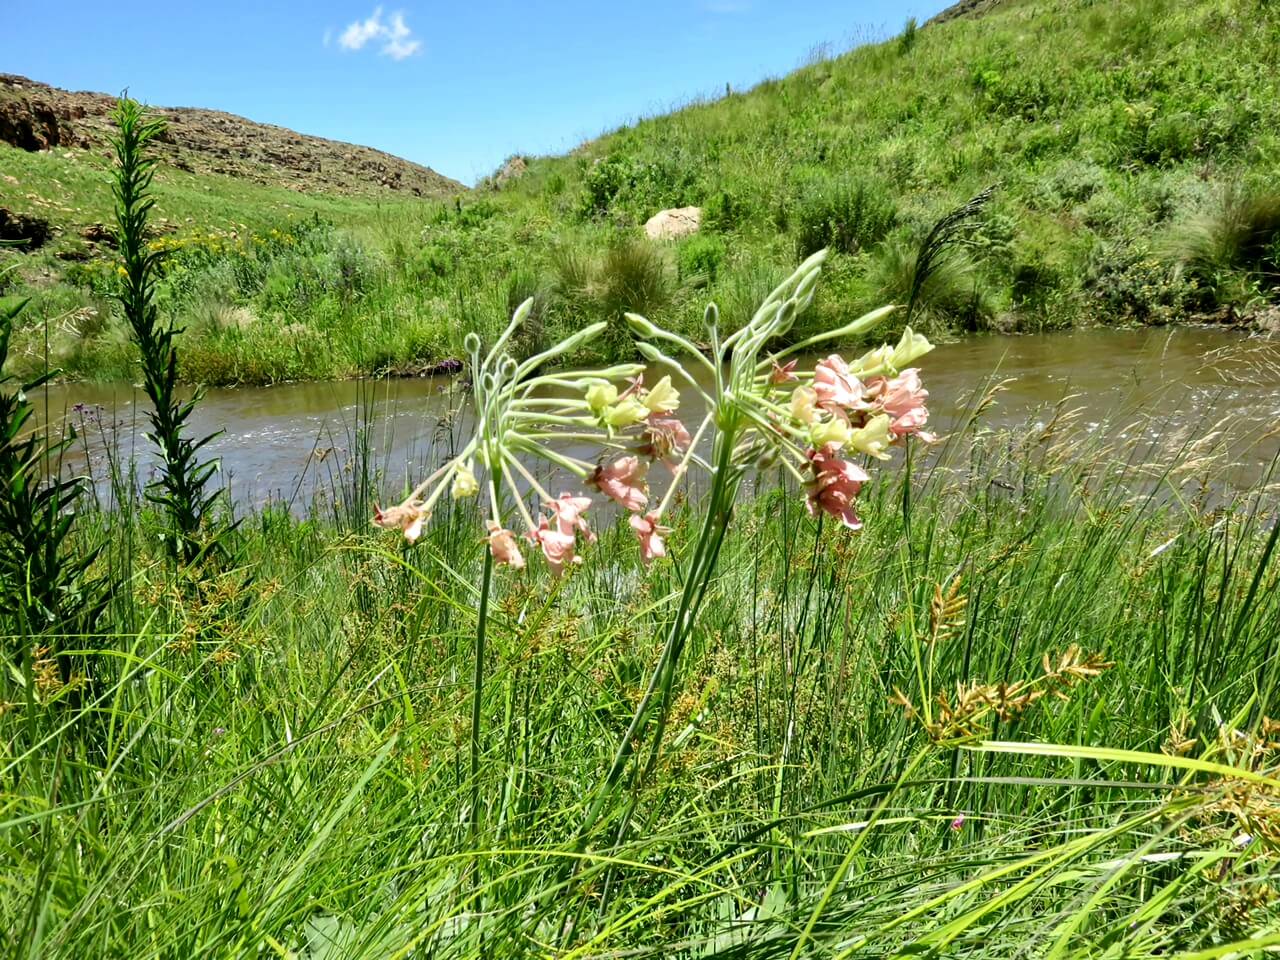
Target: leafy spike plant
(46, 590)
(760, 410)
(183, 488)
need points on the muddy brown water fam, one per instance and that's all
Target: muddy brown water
(290, 441)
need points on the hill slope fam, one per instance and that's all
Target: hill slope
(1132, 146)
(35, 116)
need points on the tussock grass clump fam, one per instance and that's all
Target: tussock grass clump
(1238, 237)
(950, 295)
(630, 275)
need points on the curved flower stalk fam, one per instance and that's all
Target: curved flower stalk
(523, 415)
(817, 424)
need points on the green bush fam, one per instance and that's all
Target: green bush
(633, 189)
(698, 259)
(844, 215)
(603, 181)
(1124, 283)
(727, 209)
(1068, 182)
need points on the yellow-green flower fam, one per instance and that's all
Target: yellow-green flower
(832, 432)
(874, 438)
(464, 482)
(662, 397)
(626, 413)
(804, 404)
(600, 397)
(911, 347)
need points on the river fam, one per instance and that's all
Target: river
(287, 441)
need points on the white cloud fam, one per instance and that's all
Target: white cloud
(397, 40)
(400, 42)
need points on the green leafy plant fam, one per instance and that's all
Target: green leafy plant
(842, 214)
(699, 259)
(49, 598)
(184, 488)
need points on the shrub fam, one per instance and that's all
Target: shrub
(621, 184)
(603, 181)
(1069, 182)
(698, 259)
(1133, 284)
(727, 209)
(842, 214)
(1011, 89)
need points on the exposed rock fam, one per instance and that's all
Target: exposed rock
(99, 233)
(18, 226)
(673, 223)
(964, 8)
(513, 169)
(35, 116)
(1268, 320)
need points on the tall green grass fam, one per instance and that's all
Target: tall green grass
(294, 780)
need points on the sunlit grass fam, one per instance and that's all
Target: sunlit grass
(295, 778)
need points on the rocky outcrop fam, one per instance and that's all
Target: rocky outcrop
(965, 8)
(513, 169)
(674, 223)
(30, 232)
(35, 116)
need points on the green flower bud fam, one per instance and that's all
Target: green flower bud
(640, 326)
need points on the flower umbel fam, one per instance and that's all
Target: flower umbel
(523, 417)
(761, 408)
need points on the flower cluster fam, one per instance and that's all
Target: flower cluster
(812, 421)
(523, 417)
(762, 408)
(839, 409)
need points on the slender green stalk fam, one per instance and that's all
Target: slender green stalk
(477, 689)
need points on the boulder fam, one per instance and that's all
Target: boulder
(30, 232)
(513, 169)
(99, 233)
(674, 223)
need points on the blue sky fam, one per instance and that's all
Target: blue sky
(458, 85)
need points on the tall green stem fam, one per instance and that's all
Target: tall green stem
(701, 568)
(477, 688)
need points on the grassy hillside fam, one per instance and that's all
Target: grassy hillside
(1133, 146)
